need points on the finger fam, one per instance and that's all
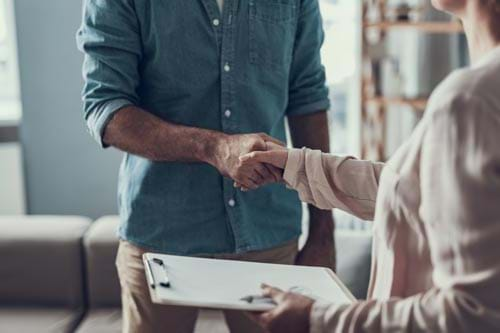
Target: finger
(267, 176)
(240, 186)
(275, 293)
(251, 157)
(276, 172)
(269, 138)
(269, 157)
(260, 175)
(251, 181)
(274, 146)
(249, 184)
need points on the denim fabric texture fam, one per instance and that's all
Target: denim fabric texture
(242, 71)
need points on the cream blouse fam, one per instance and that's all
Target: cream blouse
(435, 207)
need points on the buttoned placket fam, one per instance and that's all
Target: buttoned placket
(228, 116)
(223, 26)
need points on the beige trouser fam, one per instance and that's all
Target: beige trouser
(140, 315)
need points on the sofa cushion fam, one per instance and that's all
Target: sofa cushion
(101, 245)
(354, 259)
(101, 321)
(38, 320)
(41, 260)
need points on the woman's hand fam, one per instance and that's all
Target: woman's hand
(275, 157)
(291, 314)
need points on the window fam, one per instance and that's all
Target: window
(340, 55)
(10, 105)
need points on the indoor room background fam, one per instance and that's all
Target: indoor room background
(49, 164)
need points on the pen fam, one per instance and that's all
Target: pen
(149, 274)
(258, 299)
(166, 281)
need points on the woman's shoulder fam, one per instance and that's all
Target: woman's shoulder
(472, 89)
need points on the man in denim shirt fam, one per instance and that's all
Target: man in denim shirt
(185, 87)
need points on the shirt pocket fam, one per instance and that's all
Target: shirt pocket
(272, 25)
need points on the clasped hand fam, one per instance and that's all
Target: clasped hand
(273, 158)
(250, 160)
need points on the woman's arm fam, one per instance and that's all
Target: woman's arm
(437, 310)
(460, 189)
(325, 180)
(329, 181)
(460, 207)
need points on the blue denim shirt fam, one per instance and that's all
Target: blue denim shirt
(240, 72)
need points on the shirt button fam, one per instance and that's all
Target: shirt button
(227, 113)
(227, 68)
(231, 203)
(216, 22)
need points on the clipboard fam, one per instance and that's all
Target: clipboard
(228, 284)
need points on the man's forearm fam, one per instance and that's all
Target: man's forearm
(312, 131)
(141, 133)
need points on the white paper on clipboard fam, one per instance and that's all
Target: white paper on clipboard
(221, 284)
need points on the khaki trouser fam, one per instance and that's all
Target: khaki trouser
(140, 315)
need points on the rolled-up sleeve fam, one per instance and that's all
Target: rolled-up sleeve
(308, 92)
(110, 40)
(329, 181)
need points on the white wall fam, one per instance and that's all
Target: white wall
(66, 172)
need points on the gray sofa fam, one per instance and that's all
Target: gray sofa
(103, 288)
(41, 273)
(57, 274)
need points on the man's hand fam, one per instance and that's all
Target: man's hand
(274, 158)
(319, 249)
(227, 154)
(291, 314)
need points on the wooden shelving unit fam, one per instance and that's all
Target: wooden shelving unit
(374, 104)
(427, 27)
(418, 104)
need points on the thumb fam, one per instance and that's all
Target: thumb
(273, 146)
(268, 138)
(275, 293)
(273, 157)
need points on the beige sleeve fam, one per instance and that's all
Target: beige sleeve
(328, 181)
(460, 184)
(435, 311)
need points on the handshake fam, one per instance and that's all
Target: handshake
(250, 160)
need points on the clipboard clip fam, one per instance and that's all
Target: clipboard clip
(165, 283)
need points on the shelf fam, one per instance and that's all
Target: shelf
(429, 27)
(416, 103)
